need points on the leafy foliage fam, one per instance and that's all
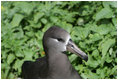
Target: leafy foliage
(92, 26)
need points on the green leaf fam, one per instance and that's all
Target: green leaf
(4, 54)
(89, 74)
(114, 70)
(108, 58)
(6, 72)
(16, 20)
(92, 62)
(39, 35)
(69, 17)
(102, 29)
(84, 76)
(79, 33)
(30, 34)
(19, 34)
(106, 45)
(82, 45)
(105, 3)
(46, 27)
(66, 26)
(80, 67)
(44, 21)
(25, 7)
(114, 33)
(17, 65)
(19, 53)
(110, 51)
(95, 53)
(93, 38)
(110, 3)
(37, 16)
(72, 57)
(28, 54)
(101, 72)
(104, 13)
(114, 21)
(10, 58)
(80, 21)
(113, 4)
(85, 10)
(11, 75)
(54, 19)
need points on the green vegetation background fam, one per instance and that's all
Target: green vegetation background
(92, 26)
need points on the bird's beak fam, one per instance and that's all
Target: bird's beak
(74, 49)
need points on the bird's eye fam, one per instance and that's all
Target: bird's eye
(70, 39)
(60, 39)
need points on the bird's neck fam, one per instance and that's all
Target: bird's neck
(59, 65)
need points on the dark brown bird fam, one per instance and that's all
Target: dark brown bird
(55, 65)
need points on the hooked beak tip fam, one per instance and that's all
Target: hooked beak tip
(85, 58)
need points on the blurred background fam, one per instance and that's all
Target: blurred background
(92, 25)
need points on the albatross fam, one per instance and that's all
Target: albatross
(55, 65)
